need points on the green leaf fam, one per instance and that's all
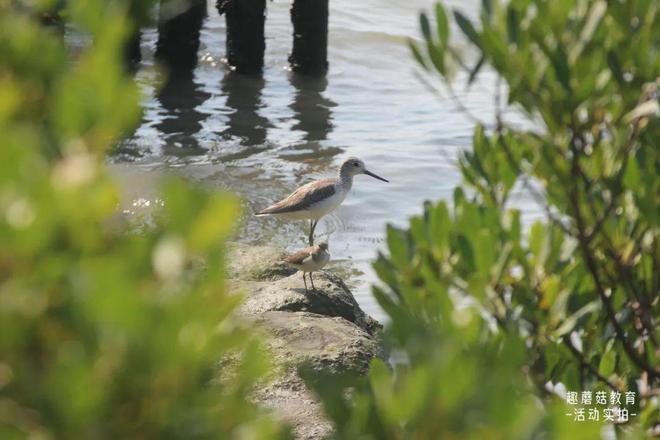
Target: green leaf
(487, 6)
(560, 64)
(467, 28)
(416, 53)
(475, 70)
(466, 252)
(439, 225)
(486, 256)
(426, 26)
(513, 25)
(436, 54)
(418, 229)
(607, 362)
(486, 10)
(631, 176)
(443, 23)
(615, 66)
(397, 242)
(569, 323)
(536, 235)
(459, 198)
(386, 272)
(550, 288)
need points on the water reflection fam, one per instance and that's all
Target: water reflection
(312, 110)
(244, 102)
(312, 115)
(179, 28)
(181, 97)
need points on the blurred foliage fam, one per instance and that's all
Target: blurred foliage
(103, 333)
(108, 334)
(490, 321)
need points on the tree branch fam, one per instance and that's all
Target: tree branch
(642, 363)
(583, 362)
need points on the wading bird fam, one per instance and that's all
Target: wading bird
(310, 260)
(316, 199)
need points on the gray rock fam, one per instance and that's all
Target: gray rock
(325, 344)
(332, 345)
(256, 263)
(292, 402)
(332, 298)
(324, 329)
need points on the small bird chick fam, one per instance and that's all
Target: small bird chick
(310, 260)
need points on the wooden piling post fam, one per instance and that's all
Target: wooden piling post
(310, 37)
(245, 34)
(179, 24)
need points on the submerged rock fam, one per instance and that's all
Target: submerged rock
(324, 329)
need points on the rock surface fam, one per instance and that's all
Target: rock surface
(324, 329)
(256, 263)
(331, 299)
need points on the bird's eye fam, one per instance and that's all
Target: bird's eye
(355, 164)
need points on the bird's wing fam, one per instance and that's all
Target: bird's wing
(303, 197)
(300, 256)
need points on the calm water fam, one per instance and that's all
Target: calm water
(261, 138)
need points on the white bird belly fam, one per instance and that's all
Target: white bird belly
(326, 206)
(311, 265)
(316, 210)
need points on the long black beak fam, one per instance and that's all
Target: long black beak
(369, 173)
